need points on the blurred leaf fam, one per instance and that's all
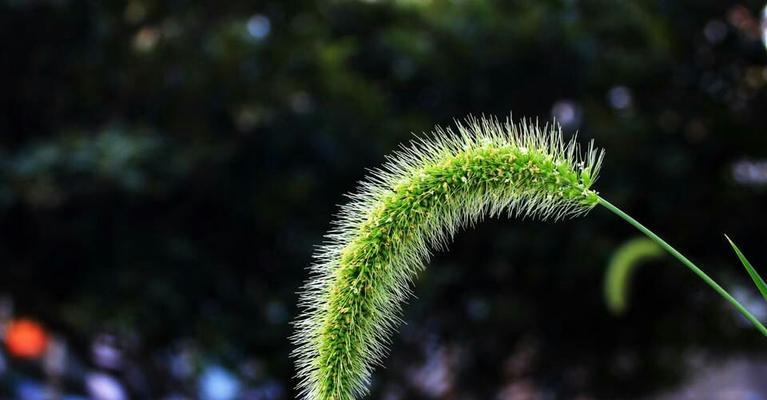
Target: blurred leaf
(622, 264)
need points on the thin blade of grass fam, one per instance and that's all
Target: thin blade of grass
(750, 269)
(687, 263)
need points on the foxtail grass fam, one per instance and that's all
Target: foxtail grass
(417, 201)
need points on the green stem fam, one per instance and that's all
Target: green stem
(687, 263)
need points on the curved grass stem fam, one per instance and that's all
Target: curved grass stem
(689, 264)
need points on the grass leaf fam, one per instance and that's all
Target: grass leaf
(751, 271)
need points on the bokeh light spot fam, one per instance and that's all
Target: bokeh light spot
(102, 386)
(105, 352)
(619, 97)
(764, 26)
(567, 113)
(750, 172)
(146, 39)
(715, 31)
(259, 26)
(217, 383)
(25, 338)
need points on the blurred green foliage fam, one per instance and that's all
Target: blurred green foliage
(167, 168)
(620, 269)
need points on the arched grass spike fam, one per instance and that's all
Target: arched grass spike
(418, 200)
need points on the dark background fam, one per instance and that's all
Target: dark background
(167, 167)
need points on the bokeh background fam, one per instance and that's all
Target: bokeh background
(167, 167)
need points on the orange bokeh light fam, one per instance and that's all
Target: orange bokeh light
(25, 338)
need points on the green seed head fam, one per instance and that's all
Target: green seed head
(416, 201)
